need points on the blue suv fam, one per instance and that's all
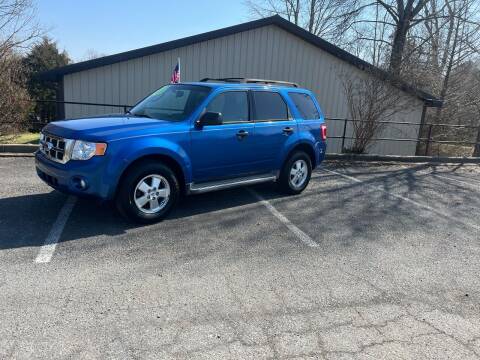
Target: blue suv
(187, 138)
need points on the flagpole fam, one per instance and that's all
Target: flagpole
(179, 71)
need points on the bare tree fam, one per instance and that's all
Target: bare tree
(453, 41)
(372, 101)
(326, 18)
(17, 25)
(445, 36)
(369, 28)
(17, 31)
(394, 20)
(404, 16)
(92, 54)
(13, 108)
(471, 88)
(441, 57)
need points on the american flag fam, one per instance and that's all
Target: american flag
(175, 79)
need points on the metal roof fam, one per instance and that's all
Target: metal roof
(56, 74)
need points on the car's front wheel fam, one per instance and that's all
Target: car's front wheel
(148, 192)
(295, 174)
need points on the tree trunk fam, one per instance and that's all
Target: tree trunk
(448, 63)
(398, 46)
(311, 19)
(296, 11)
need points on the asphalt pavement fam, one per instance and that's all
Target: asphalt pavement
(372, 261)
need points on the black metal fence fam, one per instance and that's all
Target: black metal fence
(49, 110)
(423, 129)
(45, 111)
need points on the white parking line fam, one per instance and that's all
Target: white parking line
(438, 212)
(307, 240)
(48, 248)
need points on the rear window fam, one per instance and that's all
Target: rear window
(305, 106)
(269, 106)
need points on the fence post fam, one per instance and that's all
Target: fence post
(124, 109)
(429, 139)
(343, 136)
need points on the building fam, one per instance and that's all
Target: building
(269, 48)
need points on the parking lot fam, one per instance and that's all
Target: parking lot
(372, 261)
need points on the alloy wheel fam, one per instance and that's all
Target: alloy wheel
(298, 173)
(152, 194)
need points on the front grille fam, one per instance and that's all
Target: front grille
(55, 148)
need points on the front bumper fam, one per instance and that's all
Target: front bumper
(68, 177)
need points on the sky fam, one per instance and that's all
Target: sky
(109, 27)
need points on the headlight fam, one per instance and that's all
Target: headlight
(84, 150)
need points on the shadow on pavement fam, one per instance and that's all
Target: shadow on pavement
(25, 221)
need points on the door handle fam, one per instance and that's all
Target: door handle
(241, 134)
(288, 130)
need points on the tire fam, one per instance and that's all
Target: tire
(290, 184)
(152, 184)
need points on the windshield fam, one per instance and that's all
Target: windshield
(171, 102)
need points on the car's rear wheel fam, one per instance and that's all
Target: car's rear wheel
(295, 174)
(148, 192)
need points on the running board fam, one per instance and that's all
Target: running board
(226, 184)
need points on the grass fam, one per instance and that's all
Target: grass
(448, 150)
(452, 150)
(22, 138)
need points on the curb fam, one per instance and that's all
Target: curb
(406, 159)
(18, 148)
(6, 154)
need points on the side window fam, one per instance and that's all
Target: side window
(233, 105)
(305, 106)
(269, 106)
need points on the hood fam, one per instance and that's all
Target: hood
(109, 128)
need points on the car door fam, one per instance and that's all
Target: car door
(226, 150)
(274, 126)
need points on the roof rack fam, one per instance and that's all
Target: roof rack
(251, 81)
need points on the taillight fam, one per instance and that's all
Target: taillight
(323, 132)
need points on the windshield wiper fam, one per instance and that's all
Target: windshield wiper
(138, 115)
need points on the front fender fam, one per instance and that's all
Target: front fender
(126, 151)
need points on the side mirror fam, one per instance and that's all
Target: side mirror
(209, 118)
